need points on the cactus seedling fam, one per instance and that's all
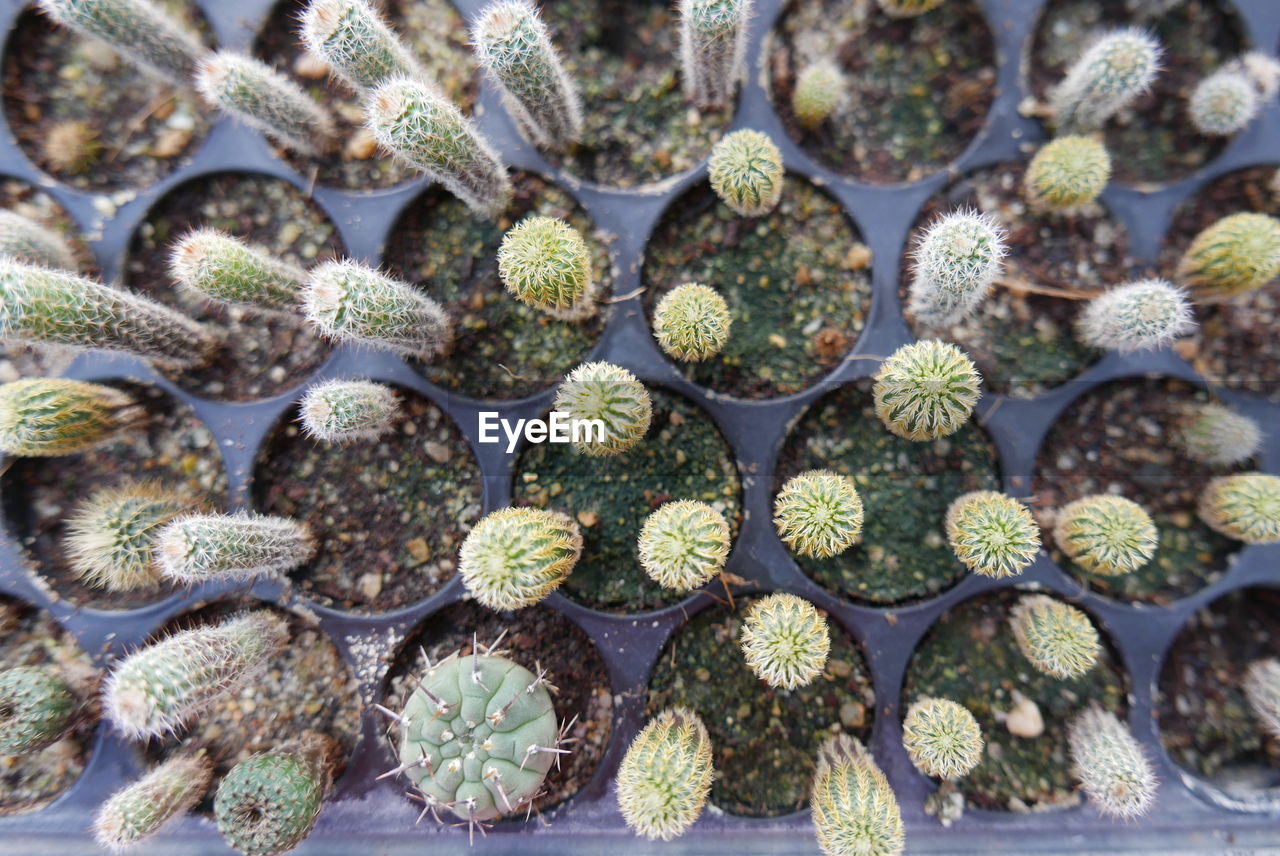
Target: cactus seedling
(268, 803)
(36, 709)
(1236, 254)
(228, 270)
(110, 539)
(1245, 506)
(1217, 435)
(1110, 764)
(1223, 103)
(342, 411)
(713, 36)
(1137, 316)
(350, 302)
(683, 544)
(1067, 173)
(666, 775)
(352, 38)
(46, 417)
(24, 240)
(818, 514)
(855, 812)
(515, 557)
(908, 8)
(926, 390)
(691, 322)
(138, 810)
(1058, 639)
(1105, 534)
(610, 396)
(942, 738)
(544, 263)
(139, 30)
(1114, 71)
(746, 172)
(1262, 689)
(992, 534)
(819, 89)
(266, 101)
(196, 548)
(785, 641)
(956, 261)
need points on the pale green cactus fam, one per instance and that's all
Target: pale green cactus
(1058, 639)
(1136, 316)
(942, 738)
(351, 302)
(691, 322)
(37, 707)
(1106, 534)
(926, 390)
(138, 810)
(345, 411)
(29, 242)
(992, 534)
(908, 8)
(820, 88)
(1114, 71)
(785, 641)
(196, 548)
(265, 100)
(230, 271)
(515, 557)
(1067, 173)
(46, 417)
(1245, 506)
(957, 259)
(666, 775)
(855, 812)
(1217, 435)
(818, 514)
(268, 803)
(1262, 689)
(746, 172)
(611, 399)
(1224, 103)
(1238, 253)
(713, 36)
(110, 539)
(544, 263)
(141, 31)
(683, 544)
(1110, 764)
(353, 39)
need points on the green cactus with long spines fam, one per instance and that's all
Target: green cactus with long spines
(1262, 690)
(1110, 764)
(351, 302)
(611, 397)
(265, 100)
(230, 271)
(1136, 316)
(926, 390)
(46, 417)
(820, 88)
(515, 557)
(908, 8)
(268, 803)
(24, 240)
(785, 641)
(992, 534)
(355, 42)
(344, 411)
(139, 30)
(138, 810)
(1223, 103)
(746, 172)
(1217, 435)
(691, 322)
(37, 707)
(1106, 534)
(713, 36)
(196, 548)
(1236, 254)
(110, 539)
(956, 260)
(666, 775)
(942, 738)
(683, 544)
(818, 514)
(1115, 70)
(855, 812)
(544, 263)
(1067, 173)
(1245, 506)
(1056, 638)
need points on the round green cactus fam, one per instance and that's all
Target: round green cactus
(1110, 764)
(1217, 435)
(136, 811)
(110, 538)
(1058, 639)
(691, 322)
(613, 400)
(32, 243)
(36, 709)
(1114, 71)
(1137, 316)
(139, 30)
(746, 172)
(265, 100)
(818, 514)
(351, 302)
(992, 534)
(666, 775)
(683, 544)
(196, 548)
(1223, 103)
(908, 8)
(855, 812)
(515, 557)
(343, 411)
(1106, 534)
(942, 738)
(785, 641)
(354, 41)
(1067, 172)
(820, 89)
(1262, 689)
(1236, 254)
(544, 262)
(713, 37)
(230, 271)
(268, 803)
(957, 259)
(926, 390)
(45, 417)
(1245, 506)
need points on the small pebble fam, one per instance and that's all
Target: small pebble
(1025, 719)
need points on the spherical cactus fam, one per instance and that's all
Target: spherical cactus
(746, 172)
(350, 302)
(24, 240)
(683, 544)
(1067, 172)
(908, 8)
(46, 417)
(1137, 316)
(1110, 764)
(666, 775)
(926, 390)
(268, 803)
(515, 557)
(1223, 103)
(1262, 70)
(1114, 71)
(612, 400)
(818, 514)
(139, 809)
(228, 270)
(343, 411)
(1262, 689)
(196, 548)
(713, 36)
(1105, 534)
(957, 259)
(1058, 639)
(265, 100)
(36, 709)
(544, 263)
(819, 90)
(992, 534)
(691, 322)
(158, 688)
(352, 38)
(1245, 507)
(785, 641)
(942, 738)
(1217, 435)
(1236, 254)
(139, 30)
(110, 539)
(855, 812)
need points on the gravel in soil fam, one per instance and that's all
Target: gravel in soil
(917, 89)
(388, 514)
(905, 489)
(682, 457)
(797, 282)
(261, 353)
(501, 348)
(971, 657)
(765, 740)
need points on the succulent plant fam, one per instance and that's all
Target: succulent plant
(351, 302)
(37, 708)
(1067, 173)
(992, 534)
(110, 538)
(1236, 254)
(785, 641)
(1111, 73)
(24, 240)
(691, 322)
(1110, 764)
(746, 172)
(1136, 316)
(354, 41)
(265, 100)
(818, 514)
(515, 557)
(683, 544)
(713, 36)
(161, 686)
(46, 417)
(1056, 638)
(196, 548)
(1262, 689)
(1245, 506)
(942, 738)
(1106, 534)
(908, 8)
(427, 131)
(544, 263)
(515, 50)
(666, 775)
(1217, 435)
(268, 803)
(1262, 70)
(141, 31)
(819, 90)
(1223, 103)
(855, 812)
(230, 271)
(926, 390)
(956, 260)
(342, 411)
(139, 809)
(611, 396)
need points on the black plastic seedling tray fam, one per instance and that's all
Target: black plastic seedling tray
(367, 816)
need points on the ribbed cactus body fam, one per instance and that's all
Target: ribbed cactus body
(1238, 253)
(926, 390)
(957, 259)
(819, 90)
(1110, 764)
(992, 534)
(268, 803)
(746, 172)
(24, 240)
(666, 775)
(515, 557)
(1262, 689)
(544, 263)
(683, 544)
(354, 40)
(691, 322)
(1136, 316)
(908, 8)
(1245, 506)
(1056, 638)
(1106, 534)
(613, 398)
(818, 514)
(942, 738)
(196, 548)
(110, 539)
(785, 641)
(1067, 172)
(46, 417)
(344, 411)
(350, 302)
(1217, 435)
(36, 709)
(136, 811)
(228, 270)
(139, 29)
(265, 100)
(713, 36)
(1114, 71)
(855, 812)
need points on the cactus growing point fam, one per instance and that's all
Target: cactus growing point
(942, 738)
(355, 42)
(1110, 74)
(612, 396)
(1106, 534)
(819, 89)
(344, 411)
(544, 262)
(926, 390)
(957, 259)
(351, 302)
(992, 534)
(691, 322)
(515, 557)
(818, 514)
(1058, 639)
(1244, 506)
(1067, 173)
(666, 775)
(230, 271)
(1136, 316)
(265, 100)
(746, 172)
(683, 544)
(785, 641)
(1217, 435)
(268, 803)
(196, 548)
(1236, 254)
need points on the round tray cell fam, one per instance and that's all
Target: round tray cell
(1206, 722)
(262, 353)
(1122, 438)
(388, 514)
(1151, 142)
(682, 457)
(905, 489)
(765, 740)
(87, 116)
(971, 657)
(536, 638)
(797, 282)
(170, 448)
(501, 348)
(624, 56)
(435, 33)
(1022, 337)
(915, 90)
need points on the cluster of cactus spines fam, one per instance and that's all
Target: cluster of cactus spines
(47, 417)
(612, 398)
(746, 172)
(110, 540)
(139, 809)
(908, 8)
(666, 775)
(818, 514)
(926, 390)
(162, 686)
(957, 259)
(1245, 506)
(1223, 103)
(354, 41)
(992, 534)
(1115, 70)
(37, 708)
(1263, 71)
(53, 308)
(265, 100)
(942, 738)
(140, 30)
(25, 240)
(1106, 534)
(855, 812)
(1067, 173)
(1110, 764)
(1217, 435)
(515, 557)
(351, 302)
(1262, 689)
(422, 127)
(713, 36)
(197, 548)
(819, 89)
(1055, 637)
(691, 322)
(515, 50)
(785, 640)
(1136, 316)
(343, 411)
(683, 544)
(1238, 253)
(544, 263)
(228, 270)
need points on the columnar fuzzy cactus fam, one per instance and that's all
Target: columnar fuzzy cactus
(544, 263)
(1110, 764)
(24, 240)
(908, 8)
(957, 259)
(515, 557)
(818, 514)
(1056, 638)
(268, 803)
(110, 539)
(423, 128)
(1217, 435)
(666, 775)
(1223, 103)
(611, 397)
(1067, 173)
(1106, 534)
(1114, 71)
(354, 40)
(926, 390)
(819, 90)
(36, 709)
(1238, 253)
(162, 686)
(691, 322)
(230, 271)
(746, 172)
(515, 50)
(785, 641)
(1262, 689)
(138, 810)
(196, 548)
(1136, 316)
(46, 417)
(942, 738)
(343, 411)
(992, 534)
(855, 812)
(683, 544)
(713, 36)
(351, 302)
(141, 31)
(1245, 506)
(265, 100)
